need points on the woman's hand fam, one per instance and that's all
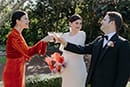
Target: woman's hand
(60, 40)
(48, 39)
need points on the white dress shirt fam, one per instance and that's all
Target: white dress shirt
(109, 37)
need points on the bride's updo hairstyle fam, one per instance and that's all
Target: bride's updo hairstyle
(74, 18)
(16, 16)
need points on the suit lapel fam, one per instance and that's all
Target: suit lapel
(98, 47)
(105, 49)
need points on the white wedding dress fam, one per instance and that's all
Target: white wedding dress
(75, 73)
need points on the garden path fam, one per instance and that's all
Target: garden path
(35, 66)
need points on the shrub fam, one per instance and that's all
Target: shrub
(47, 82)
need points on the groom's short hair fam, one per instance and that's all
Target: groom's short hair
(117, 17)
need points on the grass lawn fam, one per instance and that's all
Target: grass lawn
(2, 59)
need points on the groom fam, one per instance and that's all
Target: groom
(110, 63)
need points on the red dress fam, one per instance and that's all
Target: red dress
(18, 53)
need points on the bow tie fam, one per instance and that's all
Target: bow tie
(105, 36)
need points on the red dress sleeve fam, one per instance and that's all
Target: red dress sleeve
(19, 44)
(39, 48)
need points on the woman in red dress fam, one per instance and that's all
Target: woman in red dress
(18, 52)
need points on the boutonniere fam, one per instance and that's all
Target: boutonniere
(110, 44)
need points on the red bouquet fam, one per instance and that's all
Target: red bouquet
(55, 62)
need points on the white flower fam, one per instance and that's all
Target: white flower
(110, 44)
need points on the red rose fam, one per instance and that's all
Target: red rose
(50, 61)
(55, 62)
(58, 68)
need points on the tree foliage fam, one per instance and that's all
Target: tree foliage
(122, 6)
(52, 15)
(7, 7)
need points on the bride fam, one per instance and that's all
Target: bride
(75, 73)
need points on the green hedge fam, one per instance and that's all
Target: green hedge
(47, 82)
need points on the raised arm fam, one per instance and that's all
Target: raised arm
(87, 49)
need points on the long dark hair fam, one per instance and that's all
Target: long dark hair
(16, 16)
(74, 18)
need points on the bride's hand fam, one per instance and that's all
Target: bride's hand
(60, 40)
(48, 38)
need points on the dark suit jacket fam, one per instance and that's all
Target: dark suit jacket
(110, 67)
